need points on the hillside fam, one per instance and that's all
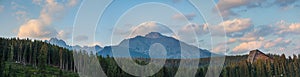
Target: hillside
(256, 55)
(33, 57)
(139, 47)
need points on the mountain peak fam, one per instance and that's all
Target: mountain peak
(153, 35)
(255, 55)
(58, 42)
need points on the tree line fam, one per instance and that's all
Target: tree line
(34, 54)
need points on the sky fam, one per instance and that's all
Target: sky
(231, 27)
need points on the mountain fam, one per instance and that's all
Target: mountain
(58, 42)
(62, 43)
(140, 46)
(255, 55)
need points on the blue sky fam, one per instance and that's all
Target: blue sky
(270, 25)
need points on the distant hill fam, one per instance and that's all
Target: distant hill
(255, 55)
(58, 42)
(139, 47)
(62, 43)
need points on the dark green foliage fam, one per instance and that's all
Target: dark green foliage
(27, 58)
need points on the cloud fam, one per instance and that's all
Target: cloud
(286, 28)
(73, 2)
(247, 46)
(189, 32)
(236, 25)
(244, 30)
(226, 6)
(16, 6)
(250, 38)
(257, 33)
(1, 8)
(220, 49)
(190, 16)
(284, 3)
(279, 42)
(194, 28)
(257, 44)
(81, 38)
(40, 28)
(95, 43)
(231, 40)
(229, 4)
(21, 15)
(64, 34)
(148, 27)
(232, 28)
(36, 29)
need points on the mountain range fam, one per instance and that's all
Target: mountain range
(139, 47)
(61, 43)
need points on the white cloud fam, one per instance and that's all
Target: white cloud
(266, 44)
(236, 25)
(73, 2)
(231, 40)
(226, 6)
(40, 28)
(179, 16)
(220, 49)
(229, 4)
(64, 34)
(288, 28)
(232, 28)
(257, 33)
(247, 46)
(189, 32)
(195, 28)
(251, 36)
(36, 29)
(148, 27)
(279, 42)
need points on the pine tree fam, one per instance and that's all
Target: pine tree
(43, 59)
(11, 54)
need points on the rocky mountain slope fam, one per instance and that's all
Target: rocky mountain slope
(139, 47)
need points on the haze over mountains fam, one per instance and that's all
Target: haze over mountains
(63, 44)
(139, 47)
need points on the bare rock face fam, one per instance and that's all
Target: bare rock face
(139, 47)
(255, 55)
(153, 35)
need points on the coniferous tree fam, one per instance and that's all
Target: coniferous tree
(43, 59)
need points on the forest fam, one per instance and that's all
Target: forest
(33, 58)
